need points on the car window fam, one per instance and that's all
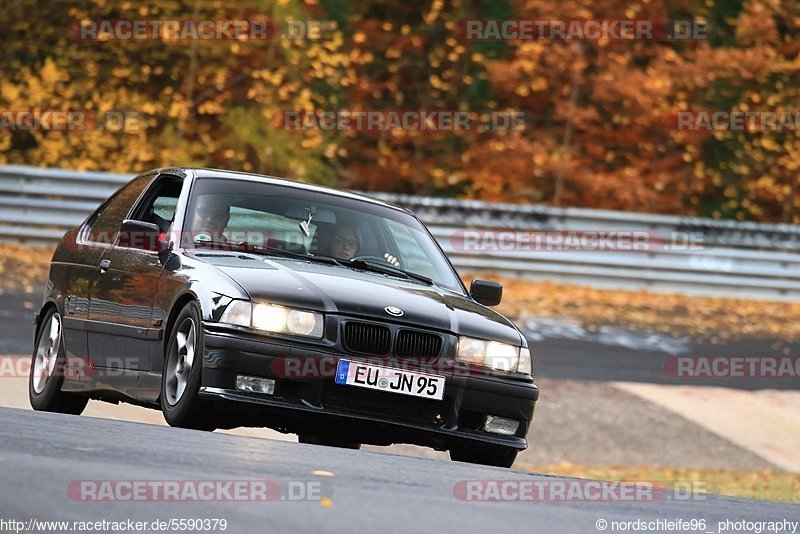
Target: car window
(159, 204)
(105, 224)
(165, 207)
(313, 222)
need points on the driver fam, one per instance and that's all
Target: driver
(345, 243)
(210, 218)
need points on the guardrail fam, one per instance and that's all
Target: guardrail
(744, 259)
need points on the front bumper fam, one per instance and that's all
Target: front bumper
(309, 401)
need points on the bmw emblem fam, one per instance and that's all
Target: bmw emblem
(391, 310)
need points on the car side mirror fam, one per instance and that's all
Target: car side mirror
(486, 292)
(139, 234)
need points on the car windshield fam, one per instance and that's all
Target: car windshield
(314, 224)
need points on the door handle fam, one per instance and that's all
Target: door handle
(104, 265)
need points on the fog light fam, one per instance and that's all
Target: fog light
(500, 425)
(255, 385)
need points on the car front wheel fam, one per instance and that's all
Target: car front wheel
(183, 365)
(47, 370)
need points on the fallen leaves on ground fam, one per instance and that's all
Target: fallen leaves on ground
(23, 268)
(712, 319)
(767, 484)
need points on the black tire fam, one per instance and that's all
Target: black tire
(180, 382)
(47, 370)
(484, 455)
(315, 439)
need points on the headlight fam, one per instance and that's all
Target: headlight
(271, 318)
(494, 354)
(525, 362)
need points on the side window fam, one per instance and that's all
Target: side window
(165, 207)
(105, 224)
(160, 202)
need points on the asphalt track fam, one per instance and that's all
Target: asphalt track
(41, 454)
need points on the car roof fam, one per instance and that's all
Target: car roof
(238, 175)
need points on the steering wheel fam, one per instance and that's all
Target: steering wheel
(388, 258)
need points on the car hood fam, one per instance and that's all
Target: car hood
(345, 291)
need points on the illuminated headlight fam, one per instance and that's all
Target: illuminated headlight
(271, 318)
(525, 362)
(494, 354)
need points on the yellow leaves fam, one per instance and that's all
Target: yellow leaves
(539, 83)
(359, 38)
(51, 74)
(437, 82)
(435, 11)
(122, 72)
(769, 143)
(210, 107)
(10, 91)
(178, 109)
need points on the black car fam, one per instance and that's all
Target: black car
(229, 299)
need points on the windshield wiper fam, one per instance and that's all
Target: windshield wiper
(385, 268)
(256, 249)
(378, 267)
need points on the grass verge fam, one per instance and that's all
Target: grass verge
(768, 485)
(710, 319)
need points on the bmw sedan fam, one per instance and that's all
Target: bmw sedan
(227, 299)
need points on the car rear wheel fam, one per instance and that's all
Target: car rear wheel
(315, 439)
(183, 365)
(47, 370)
(477, 454)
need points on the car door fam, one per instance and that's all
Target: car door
(121, 304)
(80, 262)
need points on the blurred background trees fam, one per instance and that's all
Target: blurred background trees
(598, 135)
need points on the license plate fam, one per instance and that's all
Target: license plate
(353, 373)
